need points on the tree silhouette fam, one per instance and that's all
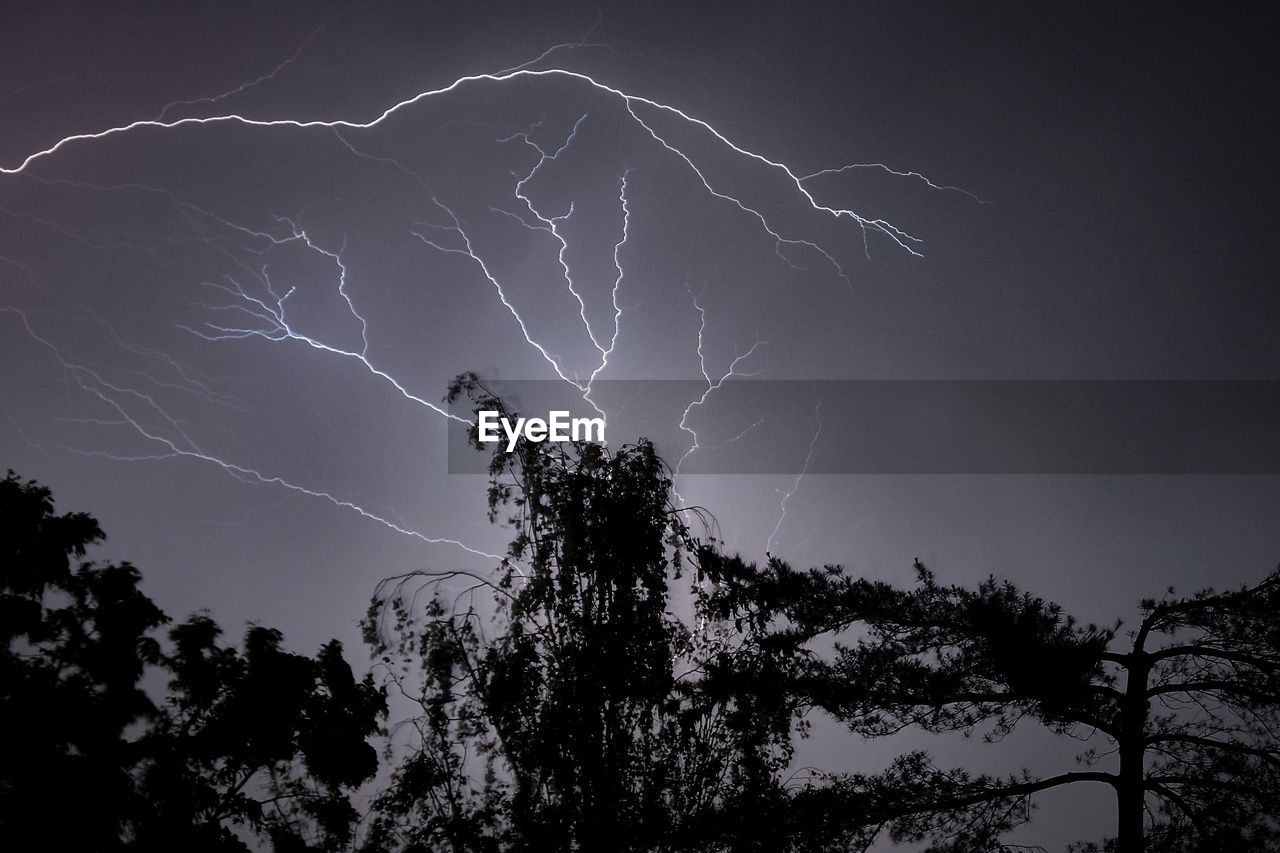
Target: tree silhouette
(618, 685)
(76, 640)
(558, 705)
(261, 739)
(1187, 703)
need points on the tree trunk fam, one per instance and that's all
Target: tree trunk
(1130, 791)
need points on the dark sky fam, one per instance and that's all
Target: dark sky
(1098, 201)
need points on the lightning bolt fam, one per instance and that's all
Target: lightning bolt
(275, 325)
(712, 385)
(468, 250)
(254, 303)
(252, 84)
(795, 485)
(551, 224)
(633, 104)
(92, 383)
(886, 169)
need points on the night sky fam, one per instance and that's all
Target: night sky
(234, 282)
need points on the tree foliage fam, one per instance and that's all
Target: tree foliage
(260, 740)
(559, 705)
(1186, 706)
(616, 684)
(76, 641)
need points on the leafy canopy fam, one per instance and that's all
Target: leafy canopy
(559, 703)
(257, 741)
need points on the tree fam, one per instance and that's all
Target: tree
(76, 641)
(558, 703)
(260, 739)
(1187, 703)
